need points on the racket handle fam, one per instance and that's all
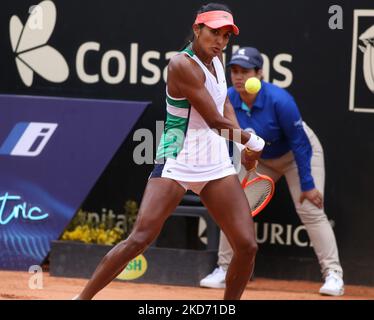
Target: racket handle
(254, 167)
(248, 174)
(249, 151)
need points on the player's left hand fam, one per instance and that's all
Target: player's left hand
(314, 196)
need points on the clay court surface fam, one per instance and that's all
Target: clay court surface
(15, 285)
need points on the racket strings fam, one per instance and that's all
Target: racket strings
(258, 192)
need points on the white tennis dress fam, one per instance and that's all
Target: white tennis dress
(189, 151)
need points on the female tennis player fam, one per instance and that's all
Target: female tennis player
(193, 155)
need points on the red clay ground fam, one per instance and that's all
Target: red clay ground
(14, 285)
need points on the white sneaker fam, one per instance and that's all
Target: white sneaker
(334, 285)
(214, 280)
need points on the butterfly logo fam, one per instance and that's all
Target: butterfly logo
(29, 44)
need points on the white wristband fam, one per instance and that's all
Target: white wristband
(255, 143)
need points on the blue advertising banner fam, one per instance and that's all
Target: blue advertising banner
(52, 151)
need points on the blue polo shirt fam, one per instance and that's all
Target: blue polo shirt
(275, 117)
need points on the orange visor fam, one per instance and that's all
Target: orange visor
(217, 19)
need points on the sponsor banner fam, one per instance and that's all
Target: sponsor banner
(52, 151)
(135, 269)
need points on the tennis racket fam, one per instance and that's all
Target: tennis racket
(259, 189)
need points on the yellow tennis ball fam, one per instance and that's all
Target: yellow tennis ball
(252, 85)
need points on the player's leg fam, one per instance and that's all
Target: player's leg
(226, 202)
(216, 279)
(160, 198)
(224, 250)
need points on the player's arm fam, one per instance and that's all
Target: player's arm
(229, 112)
(186, 79)
(249, 160)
